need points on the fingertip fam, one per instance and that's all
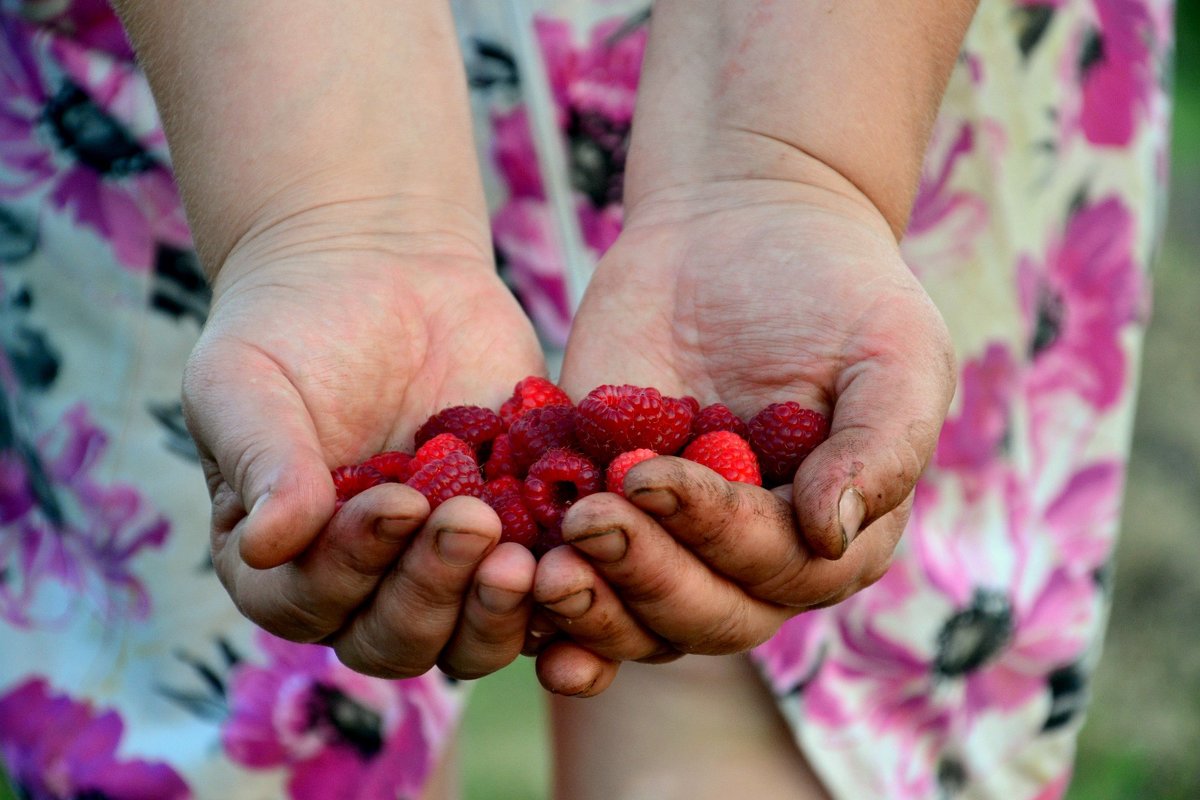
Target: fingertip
(567, 669)
(468, 514)
(510, 567)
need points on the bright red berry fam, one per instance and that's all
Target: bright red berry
(532, 392)
(614, 478)
(438, 448)
(556, 481)
(395, 465)
(539, 430)
(692, 403)
(782, 435)
(506, 484)
(615, 419)
(727, 454)
(352, 479)
(517, 524)
(452, 476)
(718, 417)
(475, 425)
(501, 461)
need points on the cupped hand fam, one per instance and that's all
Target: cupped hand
(329, 342)
(745, 292)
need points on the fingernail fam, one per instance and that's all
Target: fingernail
(497, 600)
(393, 529)
(573, 605)
(461, 549)
(605, 546)
(260, 502)
(540, 627)
(662, 502)
(851, 512)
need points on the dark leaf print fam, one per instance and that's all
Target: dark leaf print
(33, 359)
(354, 724)
(18, 237)
(170, 416)
(951, 777)
(1032, 23)
(210, 700)
(180, 288)
(492, 65)
(92, 137)
(1091, 53)
(39, 483)
(1068, 695)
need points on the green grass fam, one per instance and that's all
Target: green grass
(505, 752)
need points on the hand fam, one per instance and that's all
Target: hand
(746, 292)
(328, 342)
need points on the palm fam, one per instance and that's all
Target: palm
(746, 305)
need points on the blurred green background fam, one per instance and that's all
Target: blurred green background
(1142, 739)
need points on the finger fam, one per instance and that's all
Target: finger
(589, 611)
(416, 609)
(309, 598)
(663, 584)
(492, 627)
(568, 669)
(252, 427)
(540, 633)
(884, 428)
(745, 532)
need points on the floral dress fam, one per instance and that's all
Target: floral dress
(126, 673)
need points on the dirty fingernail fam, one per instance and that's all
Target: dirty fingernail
(460, 549)
(852, 510)
(497, 600)
(662, 502)
(605, 546)
(393, 529)
(573, 605)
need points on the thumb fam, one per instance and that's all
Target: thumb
(885, 426)
(250, 421)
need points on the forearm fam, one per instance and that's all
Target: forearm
(274, 108)
(770, 88)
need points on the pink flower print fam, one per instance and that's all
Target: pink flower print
(92, 23)
(58, 137)
(973, 436)
(57, 748)
(525, 233)
(1117, 72)
(514, 153)
(341, 735)
(1078, 302)
(790, 659)
(946, 220)
(599, 78)
(64, 529)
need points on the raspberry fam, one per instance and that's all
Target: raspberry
(718, 417)
(517, 524)
(726, 454)
(438, 448)
(548, 538)
(692, 403)
(501, 460)
(352, 479)
(615, 419)
(394, 465)
(620, 466)
(532, 392)
(454, 475)
(539, 430)
(782, 435)
(475, 425)
(556, 481)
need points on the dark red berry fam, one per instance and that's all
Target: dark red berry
(475, 425)
(352, 479)
(782, 435)
(556, 481)
(532, 392)
(395, 465)
(615, 419)
(539, 430)
(718, 417)
(452, 476)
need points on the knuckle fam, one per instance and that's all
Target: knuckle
(723, 635)
(360, 654)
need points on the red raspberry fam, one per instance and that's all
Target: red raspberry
(548, 538)
(556, 481)
(782, 435)
(726, 454)
(475, 425)
(539, 430)
(532, 392)
(501, 461)
(692, 403)
(395, 465)
(517, 524)
(614, 479)
(352, 479)
(438, 448)
(454, 475)
(615, 419)
(718, 417)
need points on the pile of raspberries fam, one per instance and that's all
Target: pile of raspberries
(541, 453)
